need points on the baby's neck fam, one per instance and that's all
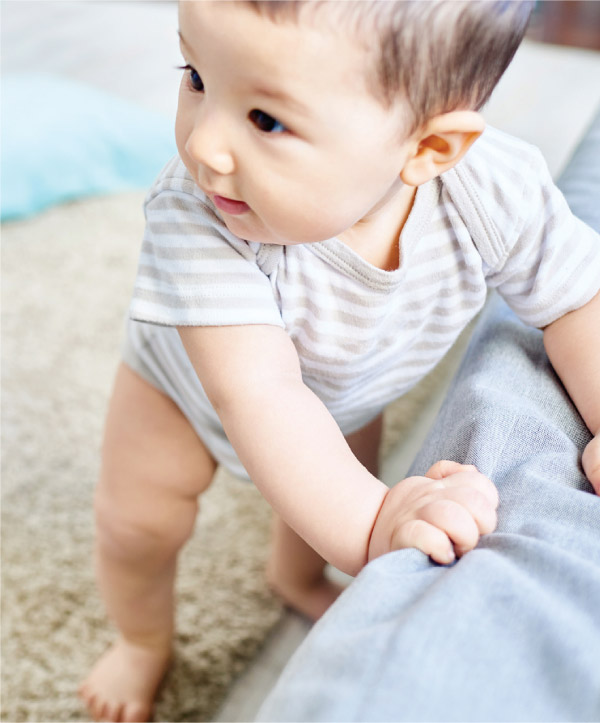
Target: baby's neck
(376, 236)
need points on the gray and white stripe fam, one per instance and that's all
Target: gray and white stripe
(364, 336)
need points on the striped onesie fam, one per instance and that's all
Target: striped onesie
(364, 336)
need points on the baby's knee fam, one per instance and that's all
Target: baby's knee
(134, 533)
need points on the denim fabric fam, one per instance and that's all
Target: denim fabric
(510, 632)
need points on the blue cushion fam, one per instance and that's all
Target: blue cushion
(63, 140)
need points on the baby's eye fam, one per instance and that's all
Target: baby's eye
(266, 123)
(194, 79)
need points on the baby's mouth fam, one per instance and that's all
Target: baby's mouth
(230, 206)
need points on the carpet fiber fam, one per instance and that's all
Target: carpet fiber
(67, 276)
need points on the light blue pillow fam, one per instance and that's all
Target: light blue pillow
(63, 140)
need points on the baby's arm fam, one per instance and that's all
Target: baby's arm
(295, 453)
(573, 345)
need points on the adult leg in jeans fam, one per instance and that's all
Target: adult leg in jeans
(510, 632)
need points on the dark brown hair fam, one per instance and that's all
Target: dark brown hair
(441, 55)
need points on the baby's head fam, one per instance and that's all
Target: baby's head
(437, 55)
(307, 120)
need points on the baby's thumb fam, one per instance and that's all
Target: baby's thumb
(445, 467)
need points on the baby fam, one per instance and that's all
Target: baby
(334, 219)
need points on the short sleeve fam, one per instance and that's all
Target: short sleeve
(552, 264)
(541, 258)
(192, 271)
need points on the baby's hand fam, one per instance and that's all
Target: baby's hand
(442, 514)
(591, 462)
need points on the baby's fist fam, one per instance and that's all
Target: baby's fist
(591, 462)
(442, 514)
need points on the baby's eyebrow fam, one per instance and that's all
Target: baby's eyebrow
(282, 96)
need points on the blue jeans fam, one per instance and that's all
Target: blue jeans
(512, 630)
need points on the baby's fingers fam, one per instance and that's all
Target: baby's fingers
(455, 521)
(591, 462)
(478, 506)
(475, 481)
(427, 538)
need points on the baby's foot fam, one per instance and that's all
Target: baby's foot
(124, 681)
(310, 601)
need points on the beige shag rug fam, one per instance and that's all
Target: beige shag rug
(67, 275)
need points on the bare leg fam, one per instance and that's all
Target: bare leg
(295, 570)
(153, 468)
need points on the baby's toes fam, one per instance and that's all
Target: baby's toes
(136, 713)
(95, 706)
(112, 712)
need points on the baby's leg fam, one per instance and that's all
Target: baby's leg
(153, 468)
(295, 570)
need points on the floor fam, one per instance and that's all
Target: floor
(546, 97)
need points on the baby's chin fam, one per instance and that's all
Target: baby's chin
(250, 228)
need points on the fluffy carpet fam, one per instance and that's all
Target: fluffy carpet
(67, 275)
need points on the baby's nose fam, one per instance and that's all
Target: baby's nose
(208, 146)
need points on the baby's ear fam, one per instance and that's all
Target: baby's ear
(440, 145)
